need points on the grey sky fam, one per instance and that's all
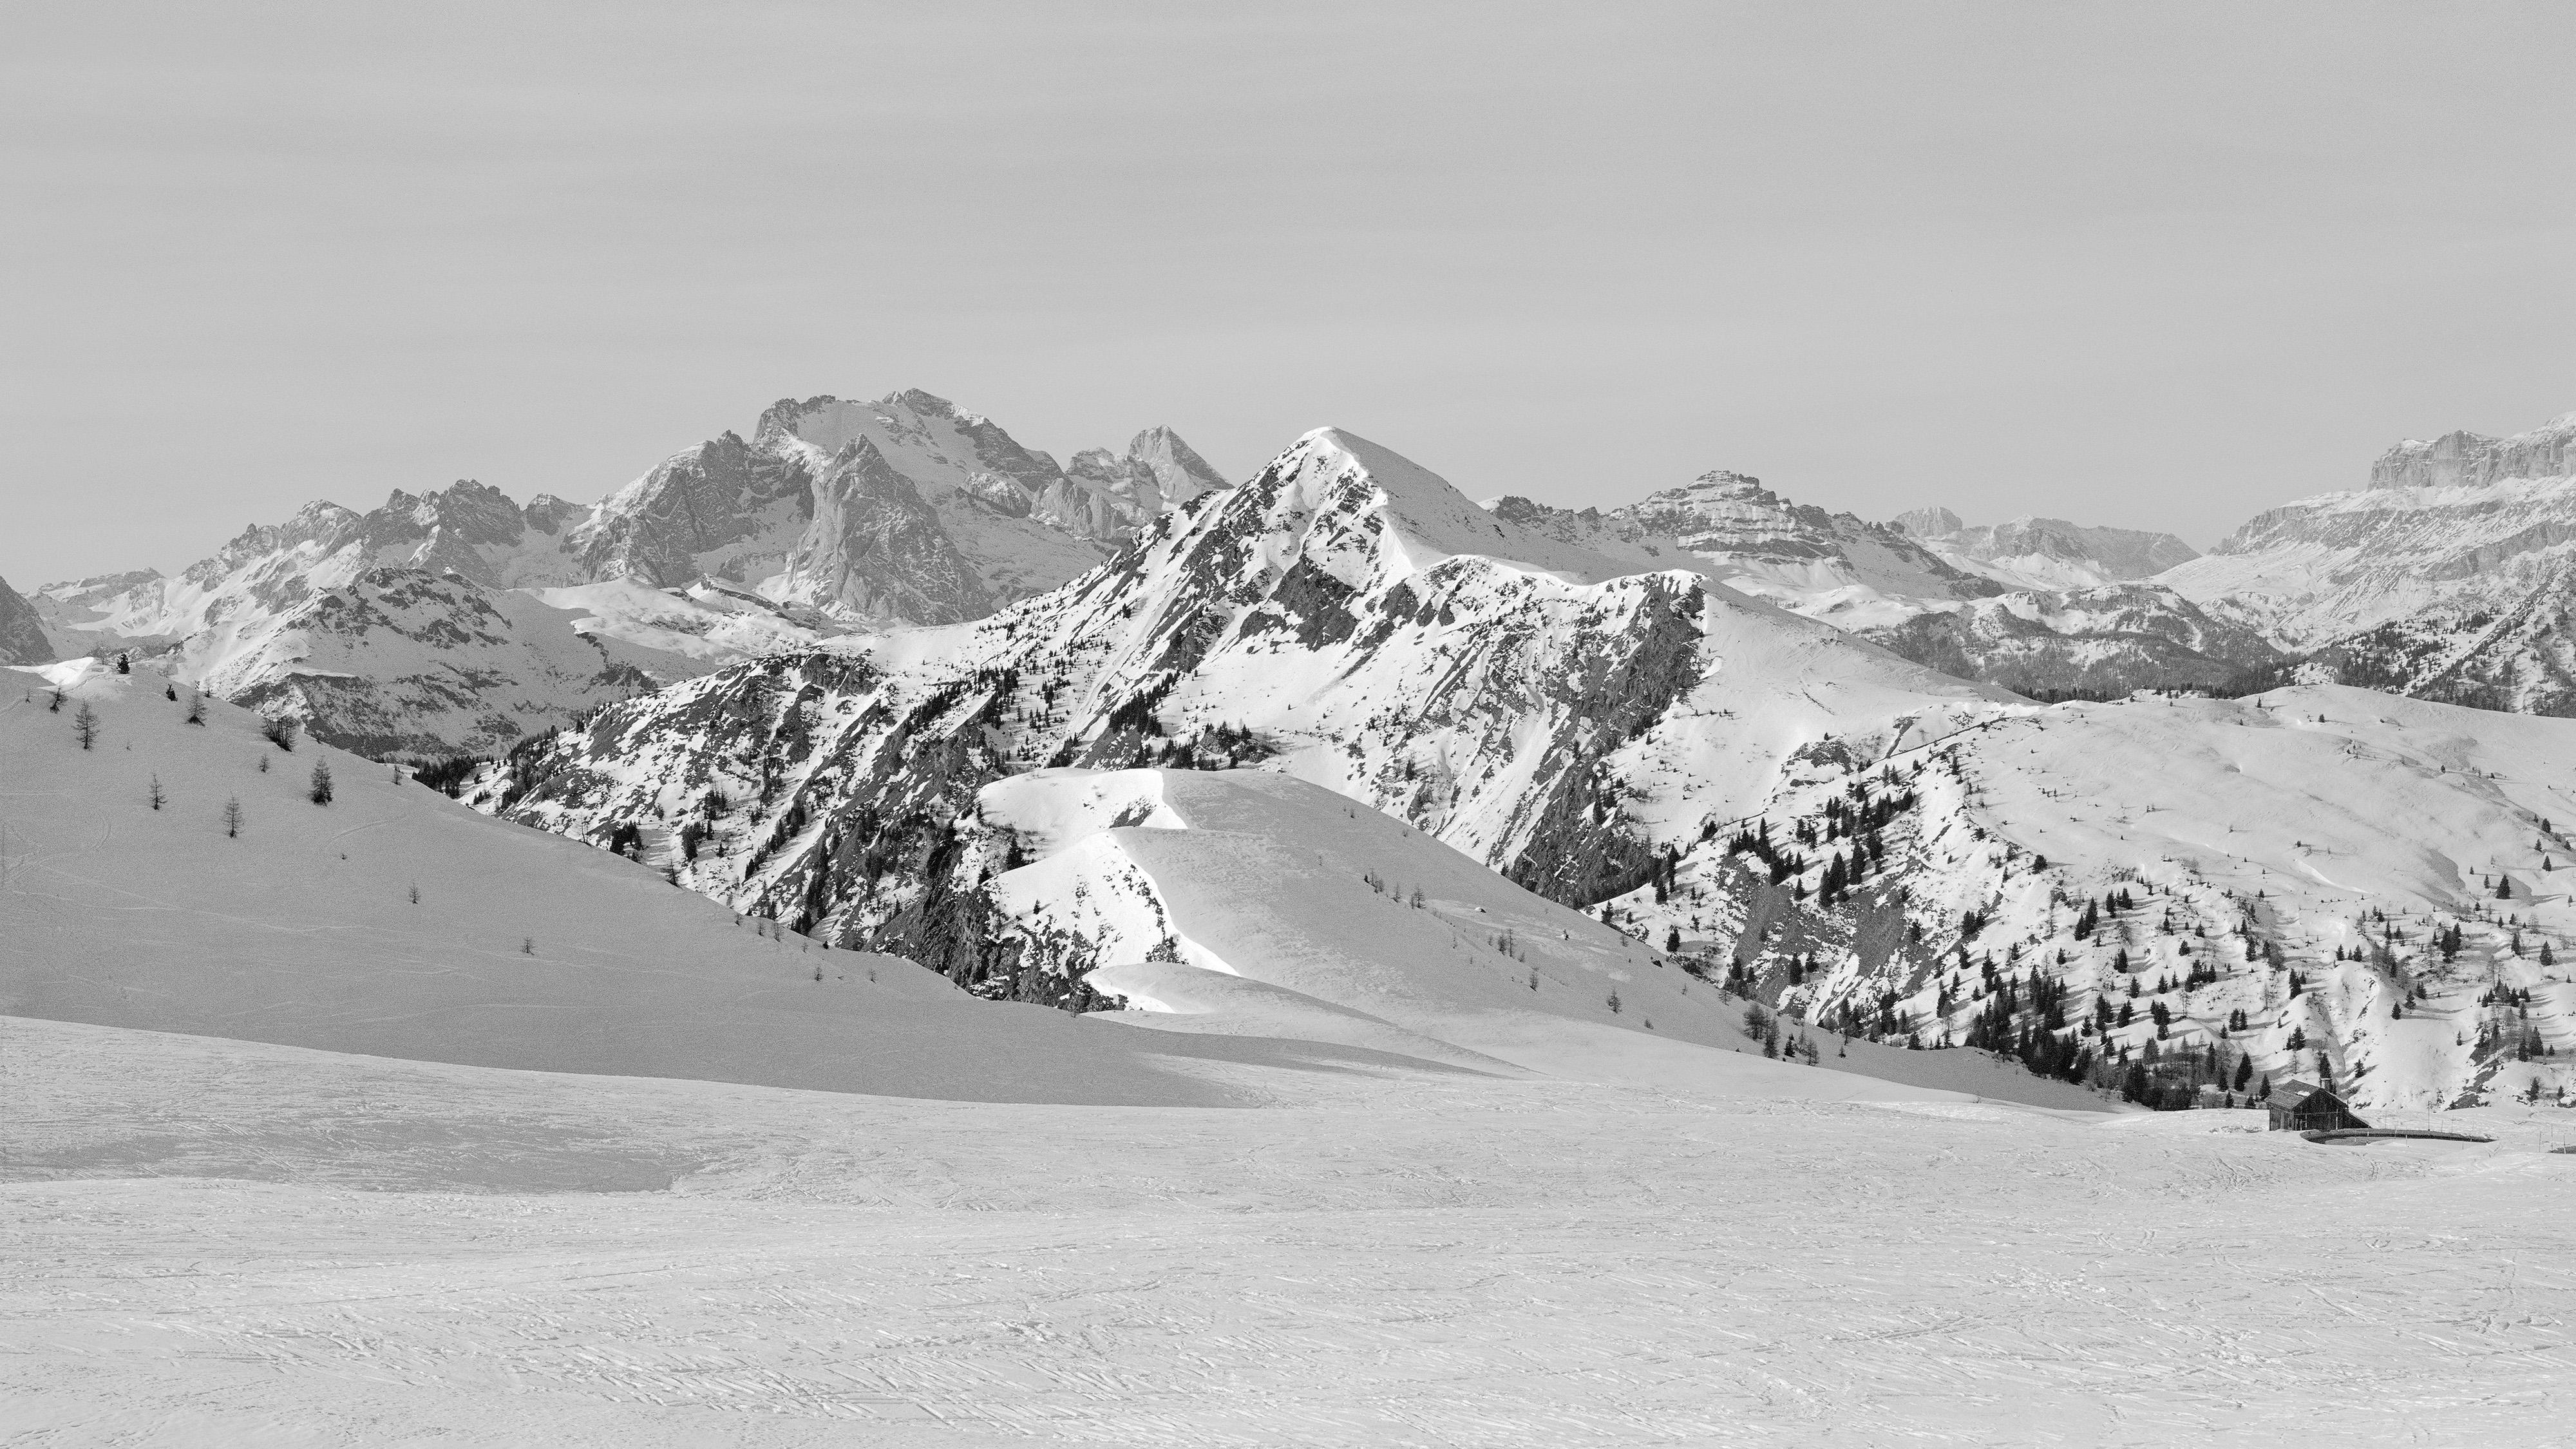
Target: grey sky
(2157, 265)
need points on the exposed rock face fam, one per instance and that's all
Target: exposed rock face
(1346, 617)
(2098, 643)
(2045, 553)
(2458, 591)
(22, 632)
(721, 510)
(2474, 460)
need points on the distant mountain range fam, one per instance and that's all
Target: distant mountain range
(460, 619)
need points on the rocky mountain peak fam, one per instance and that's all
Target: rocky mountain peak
(1928, 522)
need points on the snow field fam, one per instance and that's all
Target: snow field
(226, 1243)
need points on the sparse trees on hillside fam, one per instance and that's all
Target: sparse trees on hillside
(85, 726)
(278, 730)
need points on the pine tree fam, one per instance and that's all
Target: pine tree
(232, 818)
(320, 792)
(85, 726)
(154, 793)
(278, 730)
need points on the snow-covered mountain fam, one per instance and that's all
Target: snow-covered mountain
(22, 630)
(1829, 566)
(2030, 552)
(2448, 578)
(1698, 766)
(436, 619)
(2319, 881)
(905, 509)
(1346, 617)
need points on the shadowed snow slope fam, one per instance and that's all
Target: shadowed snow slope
(522, 950)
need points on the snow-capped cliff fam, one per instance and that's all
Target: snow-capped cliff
(2448, 578)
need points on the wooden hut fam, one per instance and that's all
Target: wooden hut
(2307, 1107)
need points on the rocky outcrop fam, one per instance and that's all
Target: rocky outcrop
(22, 632)
(2465, 459)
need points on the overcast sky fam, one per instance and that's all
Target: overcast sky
(2156, 265)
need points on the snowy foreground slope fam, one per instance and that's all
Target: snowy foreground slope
(217, 1243)
(521, 950)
